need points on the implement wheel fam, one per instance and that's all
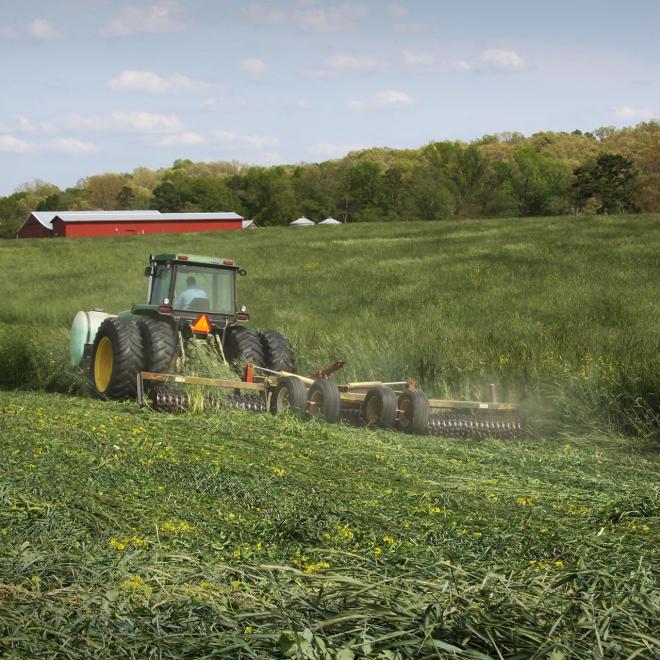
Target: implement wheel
(290, 394)
(413, 412)
(379, 407)
(324, 401)
(159, 343)
(117, 358)
(243, 345)
(277, 351)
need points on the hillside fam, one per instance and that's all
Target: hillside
(128, 533)
(562, 313)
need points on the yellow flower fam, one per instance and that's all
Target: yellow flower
(524, 501)
(559, 564)
(345, 531)
(378, 552)
(248, 630)
(435, 509)
(313, 568)
(278, 471)
(117, 545)
(236, 584)
(389, 539)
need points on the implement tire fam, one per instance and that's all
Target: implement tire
(159, 341)
(413, 412)
(324, 401)
(117, 358)
(277, 351)
(379, 407)
(289, 394)
(243, 345)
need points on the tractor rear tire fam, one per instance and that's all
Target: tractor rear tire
(243, 345)
(413, 412)
(278, 351)
(324, 401)
(159, 342)
(379, 407)
(289, 394)
(117, 358)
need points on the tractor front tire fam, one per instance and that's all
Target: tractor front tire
(243, 345)
(117, 358)
(159, 340)
(278, 352)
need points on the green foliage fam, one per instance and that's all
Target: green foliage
(127, 533)
(608, 182)
(607, 171)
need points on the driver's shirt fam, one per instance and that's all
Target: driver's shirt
(188, 295)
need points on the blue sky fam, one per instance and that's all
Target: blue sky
(98, 85)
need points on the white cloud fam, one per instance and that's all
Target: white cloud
(149, 82)
(392, 97)
(8, 32)
(70, 146)
(42, 30)
(11, 144)
(254, 67)
(503, 60)
(344, 63)
(161, 18)
(134, 122)
(230, 139)
(461, 65)
(265, 14)
(629, 112)
(183, 139)
(412, 58)
(333, 150)
(397, 11)
(26, 125)
(14, 145)
(349, 62)
(355, 105)
(334, 18)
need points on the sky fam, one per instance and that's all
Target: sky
(93, 86)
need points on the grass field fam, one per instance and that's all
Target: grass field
(127, 533)
(133, 534)
(563, 313)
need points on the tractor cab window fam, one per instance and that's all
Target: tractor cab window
(161, 285)
(202, 289)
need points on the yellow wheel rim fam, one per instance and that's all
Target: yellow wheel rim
(103, 364)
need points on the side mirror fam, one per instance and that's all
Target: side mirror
(147, 271)
(242, 272)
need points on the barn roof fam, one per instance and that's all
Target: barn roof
(329, 221)
(46, 217)
(143, 216)
(302, 221)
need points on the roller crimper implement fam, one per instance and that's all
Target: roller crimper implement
(373, 404)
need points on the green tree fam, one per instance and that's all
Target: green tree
(609, 181)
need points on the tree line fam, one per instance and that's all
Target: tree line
(549, 173)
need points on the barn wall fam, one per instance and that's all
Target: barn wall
(33, 229)
(137, 228)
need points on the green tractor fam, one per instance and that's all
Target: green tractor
(190, 298)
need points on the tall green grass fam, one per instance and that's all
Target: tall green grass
(562, 313)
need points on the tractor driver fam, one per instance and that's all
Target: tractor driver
(190, 293)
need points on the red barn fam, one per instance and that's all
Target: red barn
(124, 223)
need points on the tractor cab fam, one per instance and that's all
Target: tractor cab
(185, 285)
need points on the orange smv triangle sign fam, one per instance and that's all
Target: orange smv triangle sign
(202, 325)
